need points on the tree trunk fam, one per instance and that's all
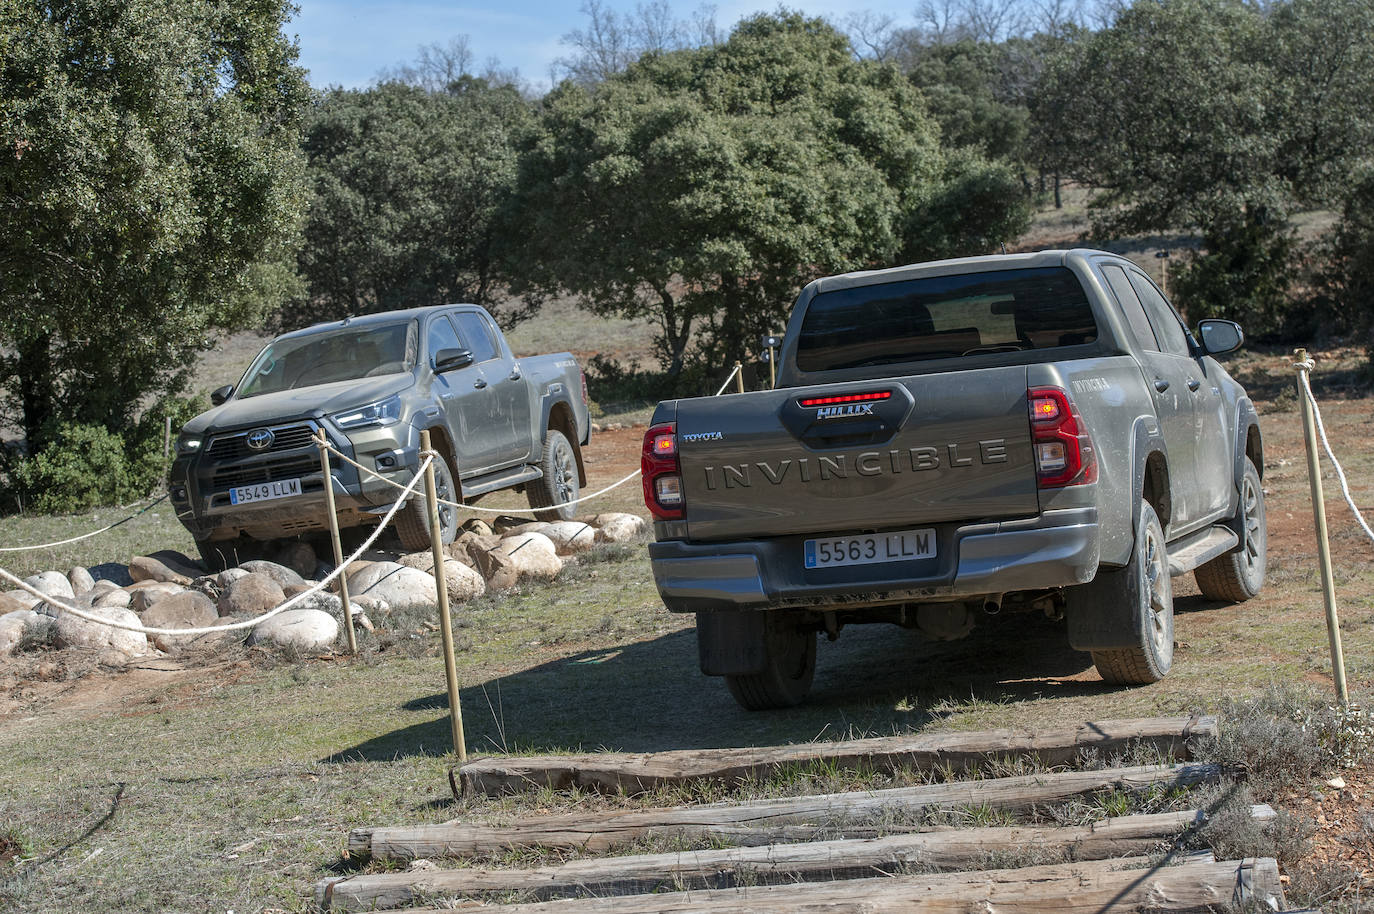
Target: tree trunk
(37, 389)
(1058, 197)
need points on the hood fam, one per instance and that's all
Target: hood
(301, 403)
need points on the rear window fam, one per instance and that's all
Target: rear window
(943, 317)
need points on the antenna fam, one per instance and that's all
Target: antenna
(1004, 247)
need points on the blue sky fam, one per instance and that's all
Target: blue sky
(346, 42)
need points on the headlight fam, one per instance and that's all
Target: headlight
(387, 412)
(188, 444)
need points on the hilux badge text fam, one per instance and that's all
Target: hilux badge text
(844, 412)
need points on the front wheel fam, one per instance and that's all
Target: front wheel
(553, 497)
(412, 521)
(1237, 576)
(1148, 593)
(790, 653)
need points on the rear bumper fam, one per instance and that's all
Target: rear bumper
(1058, 548)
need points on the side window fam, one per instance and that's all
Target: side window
(476, 335)
(441, 336)
(1130, 306)
(1165, 320)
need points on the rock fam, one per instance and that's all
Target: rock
(503, 524)
(536, 526)
(113, 572)
(496, 568)
(533, 555)
(1336, 783)
(459, 553)
(303, 629)
(103, 585)
(188, 609)
(179, 562)
(146, 568)
(11, 602)
(464, 583)
(620, 528)
(218, 640)
(229, 576)
(369, 605)
(251, 595)
(298, 556)
(478, 526)
(52, 584)
(81, 581)
(571, 536)
(324, 602)
(145, 594)
(14, 626)
(400, 587)
(295, 590)
(284, 576)
(117, 598)
(75, 632)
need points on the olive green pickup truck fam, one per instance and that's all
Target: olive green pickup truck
(1033, 432)
(248, 470)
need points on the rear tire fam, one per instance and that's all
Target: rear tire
(412, 521)
(1237, 576)
(1148, 591)
(786, 679)
(550, 496)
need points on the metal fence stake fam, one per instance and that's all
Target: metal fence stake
(1314, 476)
(328, 477)
(436, 542)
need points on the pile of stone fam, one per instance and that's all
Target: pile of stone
(168, 590)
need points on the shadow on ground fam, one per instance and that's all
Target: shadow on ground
(650, 696)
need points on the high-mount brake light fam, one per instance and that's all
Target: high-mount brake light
(1064, 453)
(847, 398)
(661, 473)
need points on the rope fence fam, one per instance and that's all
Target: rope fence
(1330, 454)
(76, 539)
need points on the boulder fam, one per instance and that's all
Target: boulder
(620, 528)
(478, 526)
(369, 605)
(400, 587)
(229, 576)
(11, 602)
(52, 584)
(144, 594)
(117, 598)
(298, 556)
(535, 526)
(251, 595)
(464, 583)
(302, 629)
(188, 609)
(75, 632)
(571, 536)
(102, 585)
(144, 568)
(179, 562)
(284, 576)
(14, 626)
(496, 568)
(324, 602)
(505, 523)
(221, 639)
(113, 572)
(295, 590)
(533, 555)
(81, 581)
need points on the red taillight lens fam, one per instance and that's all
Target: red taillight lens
(847, 398)
(1064, 454)
(660, 473)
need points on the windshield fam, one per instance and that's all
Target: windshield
(340, 355)
(942, 317)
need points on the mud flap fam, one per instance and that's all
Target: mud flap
(1100, 615)
(732, 643)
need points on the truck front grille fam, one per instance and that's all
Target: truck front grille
(285, 438)
(266, 471)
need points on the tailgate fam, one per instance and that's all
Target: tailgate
(862, 455)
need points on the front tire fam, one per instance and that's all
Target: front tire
(412, 521)
(1148, 593)
(790, 653)
(1237, 576)
(551, 496)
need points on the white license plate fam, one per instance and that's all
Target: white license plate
(870, 549)
(264, 491)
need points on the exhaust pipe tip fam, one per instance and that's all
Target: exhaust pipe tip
(992, 604)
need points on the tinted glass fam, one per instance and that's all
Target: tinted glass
(945, 317)
(1167, 326)
(338, 355)
(476, 336)
(1131, 306)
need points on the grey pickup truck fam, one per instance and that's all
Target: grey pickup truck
(1028, 432)
(248, 470)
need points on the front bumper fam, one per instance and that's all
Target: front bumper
(1058, 548)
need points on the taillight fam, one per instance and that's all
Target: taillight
(661, 474)
(585, 398)
(847, 398)
(1064, 454)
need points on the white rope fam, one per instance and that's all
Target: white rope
(249, 623)
(1303, 369)
(83, 536)
(728, 380)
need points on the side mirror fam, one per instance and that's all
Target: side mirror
(217, 397)
(1220, 336)
(451, 359)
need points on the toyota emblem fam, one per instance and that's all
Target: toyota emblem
(260, 439)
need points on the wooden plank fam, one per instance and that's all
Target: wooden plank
(759, 822)
(1074, 888)
(964, 848)
(633, 773)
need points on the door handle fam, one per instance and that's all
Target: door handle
(1161, 385)
(1194, 384)
(480, 383)
(515, 375)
